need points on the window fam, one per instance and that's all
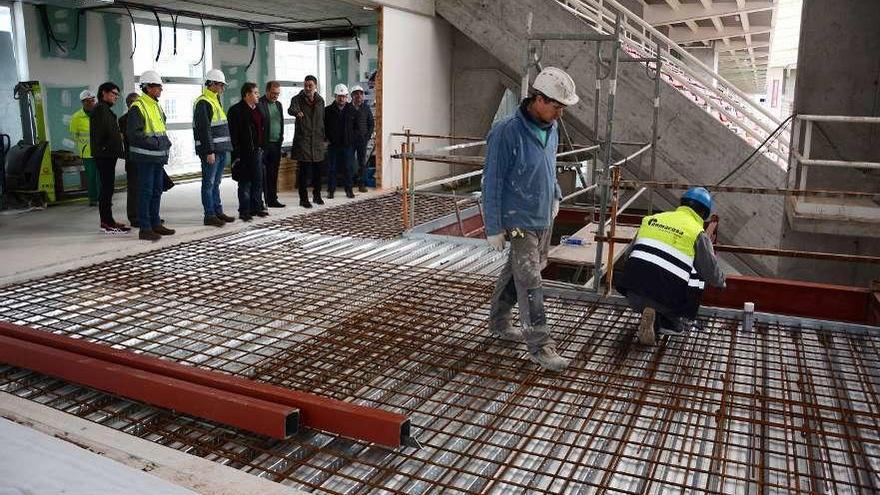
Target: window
(295, 60)
(177, 102)
(189, 51)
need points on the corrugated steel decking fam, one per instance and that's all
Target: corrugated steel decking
(401, 324)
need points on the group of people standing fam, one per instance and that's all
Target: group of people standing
(249, 136)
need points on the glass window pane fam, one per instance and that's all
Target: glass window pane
(5, 19)
(182, 159)
(294, 60)
(189, 51)
(289, 127)
(288, 92)
(177, 102)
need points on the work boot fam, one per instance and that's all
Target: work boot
(549, 359)
(163, 230)
(349, 193)
(362, 189)
(148, 235)
(329, 195)
(646, 327)
(506, 331)
(262, 213)
(226, 218)
(316, 198)
(305, 204)
(245, 217)
(214, 221)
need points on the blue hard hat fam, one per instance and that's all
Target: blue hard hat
(700, 195)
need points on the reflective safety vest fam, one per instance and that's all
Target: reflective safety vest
(219, 131)
(79, 131)
(154, 126)
(661, 263)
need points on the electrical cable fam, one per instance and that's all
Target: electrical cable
(203, 42)
(743, 164)
(76, 31)
(158, 23)
(174, 32)
(254, 47)
(47, 27)
(134, 33)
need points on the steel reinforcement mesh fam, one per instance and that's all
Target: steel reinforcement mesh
(781, 409)
(377, 218)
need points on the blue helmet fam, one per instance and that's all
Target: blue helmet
(700, 196)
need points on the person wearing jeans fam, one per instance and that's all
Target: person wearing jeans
(211, 134)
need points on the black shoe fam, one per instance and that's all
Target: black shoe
(262, 213)
(317, 200)
(329, 194)
(305, 204)
(226, 218)
(349, 193)
(245, 217)
(214, 221)
(148, 235)
(276, 204)
(135, 224)
(363, 189)
(163, 230)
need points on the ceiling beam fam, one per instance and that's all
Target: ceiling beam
(659, 14)
(741, 45)
(687, 35)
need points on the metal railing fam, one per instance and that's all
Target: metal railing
(803, 130)
(748, 118)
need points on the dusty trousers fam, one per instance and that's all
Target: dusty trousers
(520, 284)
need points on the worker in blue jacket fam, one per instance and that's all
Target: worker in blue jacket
(520, 200)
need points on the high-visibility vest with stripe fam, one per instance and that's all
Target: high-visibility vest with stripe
(661, 264)
(79, 131)
(219, 132)
(154, 126)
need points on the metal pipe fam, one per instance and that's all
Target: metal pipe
(615, 198)
(629, 202)
(630, 157)
(437, 136)
(654, 127)
(447, 180)
(634, 184)
(859, 119)
(578, 193)
(403, 181)
(580, 150)
(571, 37)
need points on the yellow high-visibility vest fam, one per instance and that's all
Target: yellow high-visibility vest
(79, 131)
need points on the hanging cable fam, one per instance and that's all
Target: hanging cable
(158, 23)
(134, 34)
(76, 30)
(203, 43)
(47, 27)
(745, 162)
(174, 32)
(254, 47)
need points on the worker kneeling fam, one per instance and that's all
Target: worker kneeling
(668, 265)
(520, 200)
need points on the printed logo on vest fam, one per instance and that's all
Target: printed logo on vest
(668, 228)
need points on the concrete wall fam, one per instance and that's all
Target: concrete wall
(416, 87)
(837, 74)
(694, 146)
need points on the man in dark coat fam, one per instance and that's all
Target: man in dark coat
(106, 143)
(273, 116)
(246, 130)
(308, 140)
(364, 124)
(339, 121)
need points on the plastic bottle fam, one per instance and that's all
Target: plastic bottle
(748, 316)
(572, 241)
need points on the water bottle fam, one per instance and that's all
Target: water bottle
(748, 316)
(572, 241)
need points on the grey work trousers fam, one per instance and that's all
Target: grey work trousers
(665, 317)
(520, 284)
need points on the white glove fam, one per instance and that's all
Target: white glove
(496, 241)
(555, 210)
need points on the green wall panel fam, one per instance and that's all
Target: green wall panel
(236, 76)
(61, 103)
(263, 56)
(113, 35)
(63, 24)
(372, 33)
(339, 68)
(233, 36)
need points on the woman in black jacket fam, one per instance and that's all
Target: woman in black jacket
(106, 144)
(247, 132)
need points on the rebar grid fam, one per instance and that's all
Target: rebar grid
(777, 410)
(376, 218)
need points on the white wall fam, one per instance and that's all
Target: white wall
(416, 87)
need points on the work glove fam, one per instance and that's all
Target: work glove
(496, 241)
(555, 208)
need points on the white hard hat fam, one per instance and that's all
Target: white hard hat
(555, 83)
(151, 77)
(357, 88)
(86, 95)
(215, 75)
(340, 90)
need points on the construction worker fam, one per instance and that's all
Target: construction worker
(668, 265)
(520, 200)
(79, 131)
(364, 124)
(148, 148)
(339, 128)
(211, 134)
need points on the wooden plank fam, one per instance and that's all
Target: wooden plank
(585, 255)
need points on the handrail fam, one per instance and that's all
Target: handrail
(598, 13)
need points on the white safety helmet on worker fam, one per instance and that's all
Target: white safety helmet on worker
(556, 84)
(86, 95)
(150, 77)
(357, 88)
(215, 75)
(340, 90)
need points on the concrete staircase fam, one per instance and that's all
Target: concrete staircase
(694, 146)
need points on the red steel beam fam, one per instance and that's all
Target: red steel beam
(790, 297)
(335, 416)
(258, 416)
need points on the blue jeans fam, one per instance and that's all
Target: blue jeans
(250, 191)
(360, 174)
(150, 178)
(338, 156)
(211, 177)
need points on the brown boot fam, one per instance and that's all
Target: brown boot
(226, 218)
(148, 235)
(163, 230)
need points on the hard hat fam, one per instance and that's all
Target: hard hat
(555, 83)
(216, 76)
(357, 88)
(700, 196)
(86, 95)
(151, 77)
(340, 90)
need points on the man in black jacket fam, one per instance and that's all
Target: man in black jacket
(339, 128)
(364, 124)
(106, 144)
(273, 117)
(247, 134)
